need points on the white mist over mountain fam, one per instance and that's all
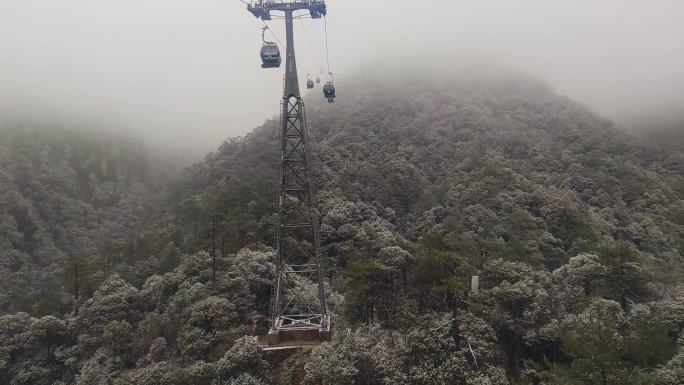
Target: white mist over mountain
(187, 75)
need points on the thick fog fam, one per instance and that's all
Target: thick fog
(187, 74)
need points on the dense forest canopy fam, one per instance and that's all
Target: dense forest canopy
(113, 274)
(68, 196)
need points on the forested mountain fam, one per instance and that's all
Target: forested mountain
(575, 229)
(69, 199)
(668, 135)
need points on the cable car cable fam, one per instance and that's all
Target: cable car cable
(273, 34)
(327, 50)
(313, 52)
(329, 87)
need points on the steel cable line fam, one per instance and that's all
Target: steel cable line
(273, 34)
(327, 50)
(313, 52)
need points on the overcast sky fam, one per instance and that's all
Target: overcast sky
(187, 73)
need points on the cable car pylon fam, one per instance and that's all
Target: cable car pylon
(294, 318)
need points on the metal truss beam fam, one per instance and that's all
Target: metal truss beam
(299, 262)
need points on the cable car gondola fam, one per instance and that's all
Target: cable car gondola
(270, 53)
(318, 79)
(329, 91)
(309, 84)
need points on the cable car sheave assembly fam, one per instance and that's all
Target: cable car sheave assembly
(294, 319)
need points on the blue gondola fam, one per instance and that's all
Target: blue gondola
(329, 92)
(270, 55)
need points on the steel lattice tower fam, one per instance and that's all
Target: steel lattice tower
(298, 266)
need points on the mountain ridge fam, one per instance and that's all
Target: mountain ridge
(571, 226)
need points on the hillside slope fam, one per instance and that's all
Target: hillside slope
(575, 229)
(67, 198)
(503, 163)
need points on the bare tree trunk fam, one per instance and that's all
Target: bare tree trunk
(76, 289)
